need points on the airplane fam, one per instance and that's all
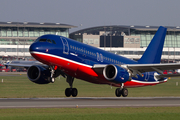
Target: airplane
(73, 59)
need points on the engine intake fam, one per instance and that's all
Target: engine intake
(39, 74)
(116, 74)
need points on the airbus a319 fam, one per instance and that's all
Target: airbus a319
(72, 59)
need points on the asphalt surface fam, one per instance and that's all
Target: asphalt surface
(12, 73)
(88, 102)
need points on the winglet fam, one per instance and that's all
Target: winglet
(154, 50)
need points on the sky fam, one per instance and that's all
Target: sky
(92, 13)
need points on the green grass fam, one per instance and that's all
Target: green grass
(124, 113)
(20, 87)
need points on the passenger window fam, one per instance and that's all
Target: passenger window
(49, 41)
(42, 40)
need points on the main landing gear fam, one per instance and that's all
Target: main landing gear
(70, 91)
(121, 91)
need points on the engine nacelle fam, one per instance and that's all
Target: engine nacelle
(116, 74)
(39, 74)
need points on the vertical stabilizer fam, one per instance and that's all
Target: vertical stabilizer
(154, 50)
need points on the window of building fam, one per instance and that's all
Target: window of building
(21, 42)
(9, 33)
(14, 49)
(52, 32)
(31, 33)
(85, 41)
(29, 42)
(20, 32)
(41, 32)
(46, 32)
(14, 33)
(14, 41)
(91, 41)
(26, 33)
(96, 41)
(3, 33)
(8, 50)
(36, 33)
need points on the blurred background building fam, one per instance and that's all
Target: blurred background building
(16, 37)
(130, 41)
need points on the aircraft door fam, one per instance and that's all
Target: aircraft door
(65, 46)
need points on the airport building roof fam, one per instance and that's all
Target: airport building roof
(33, 24)
(94, 30)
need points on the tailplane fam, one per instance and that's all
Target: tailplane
(154, 50)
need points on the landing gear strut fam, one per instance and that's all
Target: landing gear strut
(121, 91)
(70, 91)
(52, 79)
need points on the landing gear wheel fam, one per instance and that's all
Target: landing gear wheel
(68, 92)
(124, 92)
(118, 92)
(74, 92)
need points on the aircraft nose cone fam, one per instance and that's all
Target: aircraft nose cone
(34, 47)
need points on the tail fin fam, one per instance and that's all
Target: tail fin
(154, 50)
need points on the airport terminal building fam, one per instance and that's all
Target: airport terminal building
(130, 41)
(16, 37)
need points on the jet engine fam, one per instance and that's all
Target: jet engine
(116, 74)
(39, 74)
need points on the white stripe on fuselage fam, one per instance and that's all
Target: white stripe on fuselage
(138, 81)
(41, 53)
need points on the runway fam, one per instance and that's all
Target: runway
(81, 102)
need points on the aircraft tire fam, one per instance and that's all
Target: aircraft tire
(118, 92)
(74, 92)
(68, 92)
(124, 92)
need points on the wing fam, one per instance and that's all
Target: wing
(153, 67)
(141, 68)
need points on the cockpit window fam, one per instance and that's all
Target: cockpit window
(53, 42)
(42, 40)
(49, 41)
(37, 40)
(45, 40)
